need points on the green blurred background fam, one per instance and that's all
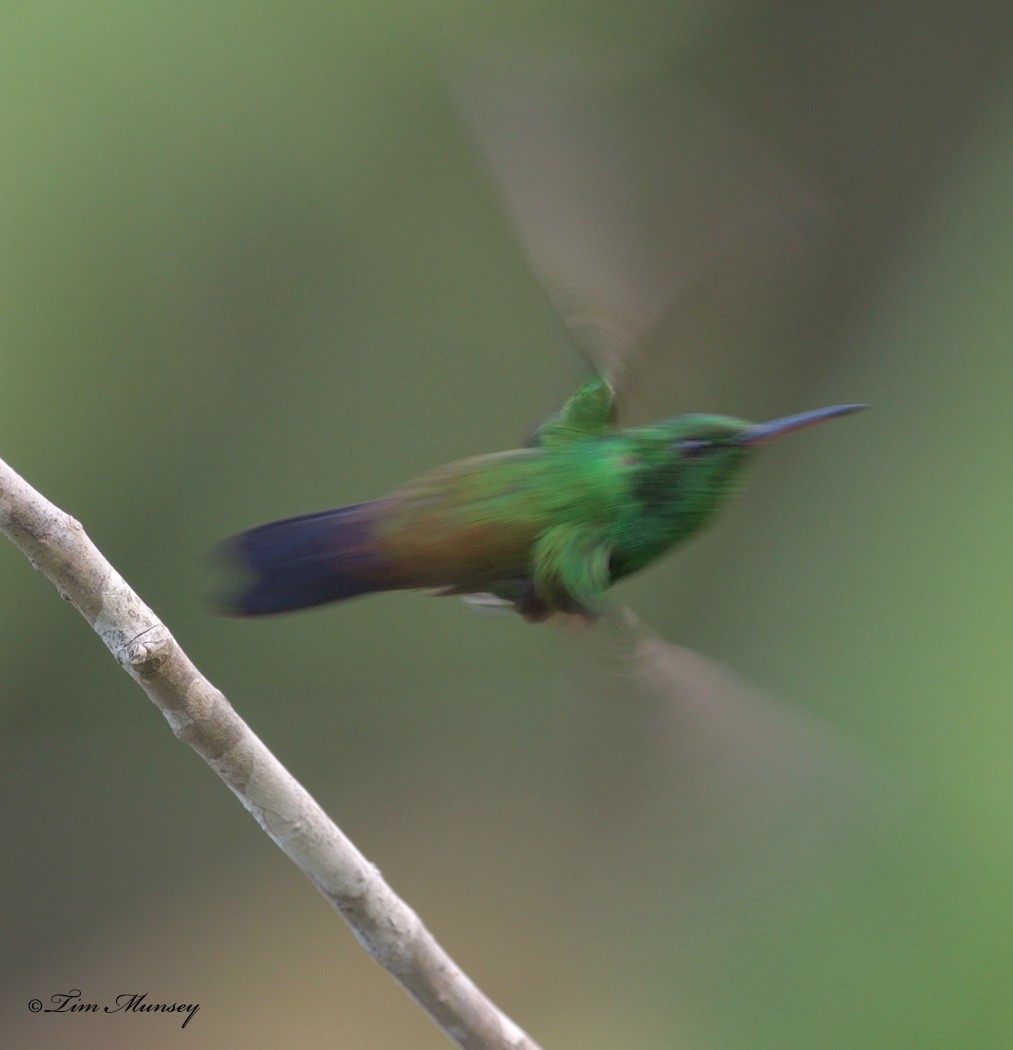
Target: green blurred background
(252, 266)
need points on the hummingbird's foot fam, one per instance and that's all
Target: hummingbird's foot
(535, 609)
(531, 606)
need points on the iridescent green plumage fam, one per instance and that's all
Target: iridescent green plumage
(548, 528)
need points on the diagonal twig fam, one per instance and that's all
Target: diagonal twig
(200, 716)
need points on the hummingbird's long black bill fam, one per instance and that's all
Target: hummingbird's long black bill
(763, 432)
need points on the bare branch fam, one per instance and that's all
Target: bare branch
(200, 715)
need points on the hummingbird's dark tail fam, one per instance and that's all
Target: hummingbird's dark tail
(300, 562)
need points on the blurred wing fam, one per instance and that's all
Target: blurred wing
(632, 196)
(679, 760)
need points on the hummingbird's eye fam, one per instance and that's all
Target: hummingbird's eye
(692, 448)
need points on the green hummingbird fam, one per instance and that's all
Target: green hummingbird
(597, 191)
(547, 528)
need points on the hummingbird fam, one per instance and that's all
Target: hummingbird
(546, 529)
(589, 184)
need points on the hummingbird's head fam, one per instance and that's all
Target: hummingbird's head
(694, 462)
(684, 468)
(696, 438)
